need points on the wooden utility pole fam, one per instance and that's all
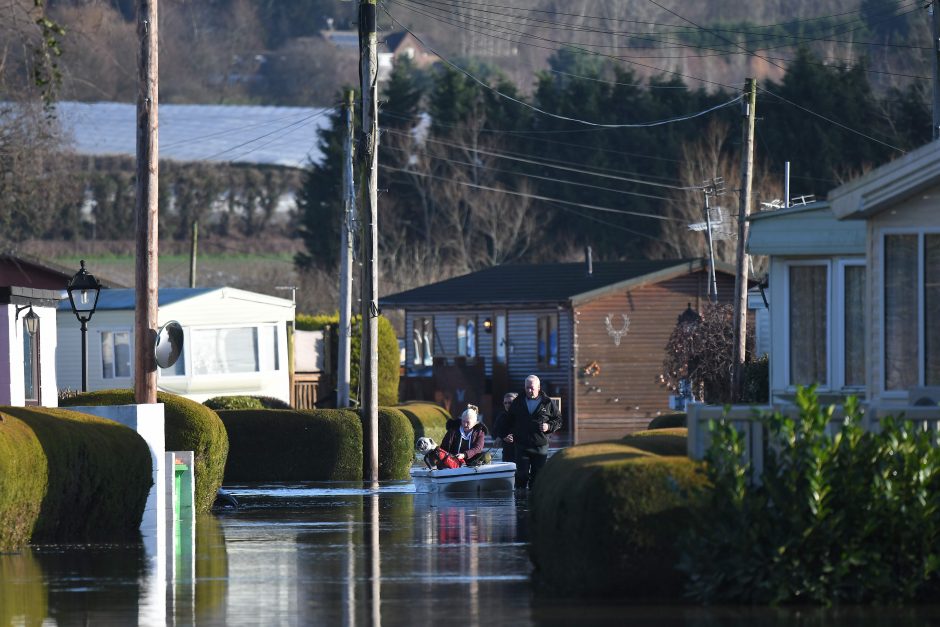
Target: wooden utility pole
(935, 38)
(192, 253)
(369, 166)
(711, 189)
(740, 281)
(145, 304)
(346, 261)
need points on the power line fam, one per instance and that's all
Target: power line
(541, 178)
(568, 168)
(831, 121)
(277, 130)
(532, 196)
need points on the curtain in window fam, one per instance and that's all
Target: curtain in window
(219, 351)
(854, 339)
(932, 309)
(461, 336)
(901, 319)
(808, 308)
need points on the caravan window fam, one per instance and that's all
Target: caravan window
(234, 350)
(115, 354)
(423, 340)
(467, 337)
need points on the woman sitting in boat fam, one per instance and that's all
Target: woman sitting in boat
(465, 438)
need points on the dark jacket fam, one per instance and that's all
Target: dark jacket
(453, 443)
(526, 427)
(501, 428)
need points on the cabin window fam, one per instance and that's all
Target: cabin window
(467, 337)
(500, 338)
(30, 365)
(233, 350)
(808, 287)
(853, 332)
(548, 341)
(115, 354)
(423, 339)
(911, 310)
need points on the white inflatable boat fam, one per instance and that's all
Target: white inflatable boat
(488, 477)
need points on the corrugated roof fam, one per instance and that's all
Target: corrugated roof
(284, 136)
(113, 299)
(530, 283)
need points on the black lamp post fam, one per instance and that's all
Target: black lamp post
(32, 320)
(83, 289)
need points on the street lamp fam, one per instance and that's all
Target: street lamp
(31, 319)
(83, 289)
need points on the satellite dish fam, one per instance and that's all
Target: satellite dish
(169, 345)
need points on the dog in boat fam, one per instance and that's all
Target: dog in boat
(434, 456)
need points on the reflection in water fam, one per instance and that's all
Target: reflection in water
(340, 554)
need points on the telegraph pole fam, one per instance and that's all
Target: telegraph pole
(369, 306)
(345, 261)
(714, 188)
(935, 38)
(740, 282)
(145, 304)
(194, 237)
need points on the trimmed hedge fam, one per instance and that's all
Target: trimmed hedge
(668, 421)
(23, 476)
(288, 445)
(396, 445)
(188, 426)
(604, 520)
(666, 442)
(97, 474)
(389, 368)
(427, 419)
(217, 403)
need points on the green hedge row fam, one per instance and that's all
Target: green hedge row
(427, 419)
(67, 476)
(188, 426)
(605, 517)
(288, 445)
(396, 445)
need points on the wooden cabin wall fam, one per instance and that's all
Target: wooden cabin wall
(624, 394)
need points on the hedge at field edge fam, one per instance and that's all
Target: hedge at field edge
(604, 518)
(94, 475)
(427, 419)
(289, 445)
(24, 472)
(188, 426)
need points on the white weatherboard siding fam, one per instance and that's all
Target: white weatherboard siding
(69, 353)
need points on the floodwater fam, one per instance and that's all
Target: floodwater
(341, 554)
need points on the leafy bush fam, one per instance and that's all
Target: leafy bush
(851, 517)
(668, 421)
(755, 388)
(604, 518)
(233, 402)
(188, 426)
(287, 445)
(95, 475)
(427, 419)
(700, 351)
(389, 371)
(272, 402)
(396, 445)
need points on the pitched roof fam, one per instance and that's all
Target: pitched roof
(124, 298)
(29, 271)
(545, 283)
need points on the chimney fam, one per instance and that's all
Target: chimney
(588, 260)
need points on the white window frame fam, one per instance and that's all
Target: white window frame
(838, 365)
(261, 355)
(130, 344)
(883, 234)
(827, 263)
